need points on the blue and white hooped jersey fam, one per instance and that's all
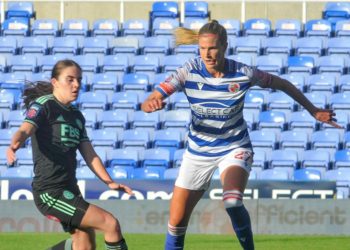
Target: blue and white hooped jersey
(217, 125)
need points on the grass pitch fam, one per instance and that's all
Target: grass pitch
(41, 241)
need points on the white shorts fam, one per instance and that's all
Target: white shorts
(196, 171)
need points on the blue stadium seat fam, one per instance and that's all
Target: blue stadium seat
(168, 139)
(319, 99)
(281, 45)
(309, 46)
(254, 100)
(179, 101)
(270, 119)
(300, 65)
(125, 157)
(3, 159)
(104, 138)
(179, 118)
(325, 140)
(156, 157)
(191, 49)
(280, 101)
(164, 9)
(45, 27)
(17, 172)
(75, 27)
(3, 63)
(92, 100)
(135, 27)
(262, 139)
(90, 118)
(336, 11)
(260, 27)
(250, 118)
(288, 27)
(16, 26)
(136, 82)
(346, 140)
(307, 175)
(245, 58)
(177, 158)
(295, 140)
(321, 82)
(333, 64)
(7, 100)
(8, 45)
(340, 101)
(197, 9)
(20, 9)
(115, 119)
(344, 83)
(89, 63)
(232, 26)
(144, 120)
(259, 160)
(24, 157)
(128, 45)
(125, 100)
(148, 64)
(15, 118)
(318, 28)
(120, 172)
(95, 45)
(106, 83)
(250, 44)
(194, 23)
(105, 27)
(136, 138)
(65, 45)
(342, 28)
(171, 173)
(23, 63)
(273, 64)
(342, 158)
(156, 45)
(172, 62)
(274, 174)
(342, 119)
(296, 79)
(100, 151)
(46, 62)
(338, 46)
(284, 158)
(164, 26)
(342, 174)
(85, 173)
(148, 173)
(35, 45)
(118, 63)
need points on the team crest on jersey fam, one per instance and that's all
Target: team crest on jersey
(233, 87)
(68, 195)
(200, 85)
(33, 111)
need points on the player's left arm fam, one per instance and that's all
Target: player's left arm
(266, 80)
(95, 164)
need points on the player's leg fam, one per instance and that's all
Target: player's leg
(181, 207)
(98, 218)
(234, 180)
(83, 239)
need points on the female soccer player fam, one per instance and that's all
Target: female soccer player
(218, 136)
(57, 130)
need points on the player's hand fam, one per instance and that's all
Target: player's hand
(327, 116)
(10, 156)
(121, 187)
(152, 105)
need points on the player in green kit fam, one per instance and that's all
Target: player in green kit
(57, 131)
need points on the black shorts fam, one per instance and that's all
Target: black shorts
(63, 206)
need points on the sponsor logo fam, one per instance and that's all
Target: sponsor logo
(200, 85)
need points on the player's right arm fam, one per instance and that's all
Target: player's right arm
(154, 102)
(18, 139)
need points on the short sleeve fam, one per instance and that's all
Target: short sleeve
(35, 114)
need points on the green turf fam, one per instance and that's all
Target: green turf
(36, 241)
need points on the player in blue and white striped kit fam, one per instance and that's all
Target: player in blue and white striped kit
(218, 135)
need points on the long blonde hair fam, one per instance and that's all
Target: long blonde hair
(189, 36)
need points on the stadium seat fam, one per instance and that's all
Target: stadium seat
(20, 9)
(15, 118)
(288, 27)
(45, 27)
(342, 158)
(294, 140)
(85, 173)
(104, 138)
(263, 139)
(325, 140)
(146, 120)
(46, 62)
(300, 65)
(136, 82)
(254, 100)
(179, 101)
(147, 64)
(165, 10)
(260, 27)
(95, 45)
(3, 159)
(271, 119)
(280, 101)
(274, 174)
(156, 157)
(340, 101)
(125, 157)
(346, 140)
(338, 174)
(136, 138)
(296, 79)
(338, 46)
(232, 26)
(171, 173)
(118, 63)
(318, 28)
(17, 172)
(284, 158)
(342, 28)
(164, 26)
(191, 49)
(172, 62)
(119, 172)
(16, 26)
(177, 158)
(259, 160)
(90, 118)
(7, 100)
(24, 157)
(333, 64)
(307, 175)
(106, 83)
(125, 100)
(35, 45)
(135, 27)
(67, 46)
(250, 44)
(321, 83)
(250, 118)
(75, 27)
(179, 118)
(23, 63)
(105, 27)
(336, 11)
(281, 45)
(89, 63)
(92, 100)
(197, 9)
(115, 119)
(3, 63)
(168, 139)
(156, 45)
(319, 99)
(244, 58)
(148, 173)
(309, 46)
(273, 64)
(127, 45)
(344, 83)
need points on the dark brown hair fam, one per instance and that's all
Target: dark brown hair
(34, 90)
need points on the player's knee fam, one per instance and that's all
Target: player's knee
(232, 198)
(112, 224)
(176, 230)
